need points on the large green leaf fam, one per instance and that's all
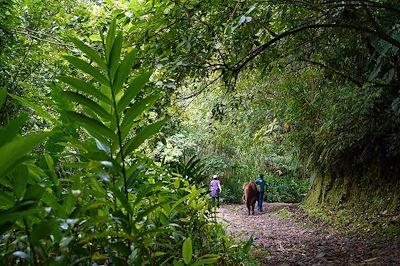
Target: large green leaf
(11, 216)
(110, 39)
(87, 68)
(94, 127)
(17, 149)
(92, 54)
(122, 198)
(123, 71)
(45, 229)
(102, 156)
(115, 56)
(134, 88)
(96, 108)
(138, 108)
(20, 178)
(144, 134)
(187, 250)
(12, 129)
(146, 191)
(206, 260)
(52, 201)
(188, 197)
(37, 108)
(132, 174)
(85, 87)
(34, 192)
(6, 200)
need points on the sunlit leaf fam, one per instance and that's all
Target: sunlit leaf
(206, 260)
(178, 263)
(187, 250)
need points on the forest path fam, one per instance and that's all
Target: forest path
(282, 241)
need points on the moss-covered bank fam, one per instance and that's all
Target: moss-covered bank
(357, 204)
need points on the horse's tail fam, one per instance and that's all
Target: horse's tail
(245, 189)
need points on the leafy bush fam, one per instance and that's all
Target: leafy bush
(232, 190)
(285, 188)
(89, 197)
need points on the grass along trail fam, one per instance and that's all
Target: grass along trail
(282, 241)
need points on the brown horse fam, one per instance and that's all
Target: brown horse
(250, 195)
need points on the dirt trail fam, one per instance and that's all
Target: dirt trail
(280, 241)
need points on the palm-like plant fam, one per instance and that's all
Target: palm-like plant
(108, 104)
(194, 170)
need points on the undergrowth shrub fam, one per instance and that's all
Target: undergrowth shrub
(232, 190)
(286, 188)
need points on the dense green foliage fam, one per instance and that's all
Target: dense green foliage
(291, 89)
(286, 189)
(88, 196)
(323, 74)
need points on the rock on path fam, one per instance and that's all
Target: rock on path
(281, 241)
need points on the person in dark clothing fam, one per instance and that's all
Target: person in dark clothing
(261, 185)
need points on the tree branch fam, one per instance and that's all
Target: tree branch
(239, 65)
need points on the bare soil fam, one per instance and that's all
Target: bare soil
(290, 241)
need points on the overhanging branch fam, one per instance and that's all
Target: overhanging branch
(242, 63)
